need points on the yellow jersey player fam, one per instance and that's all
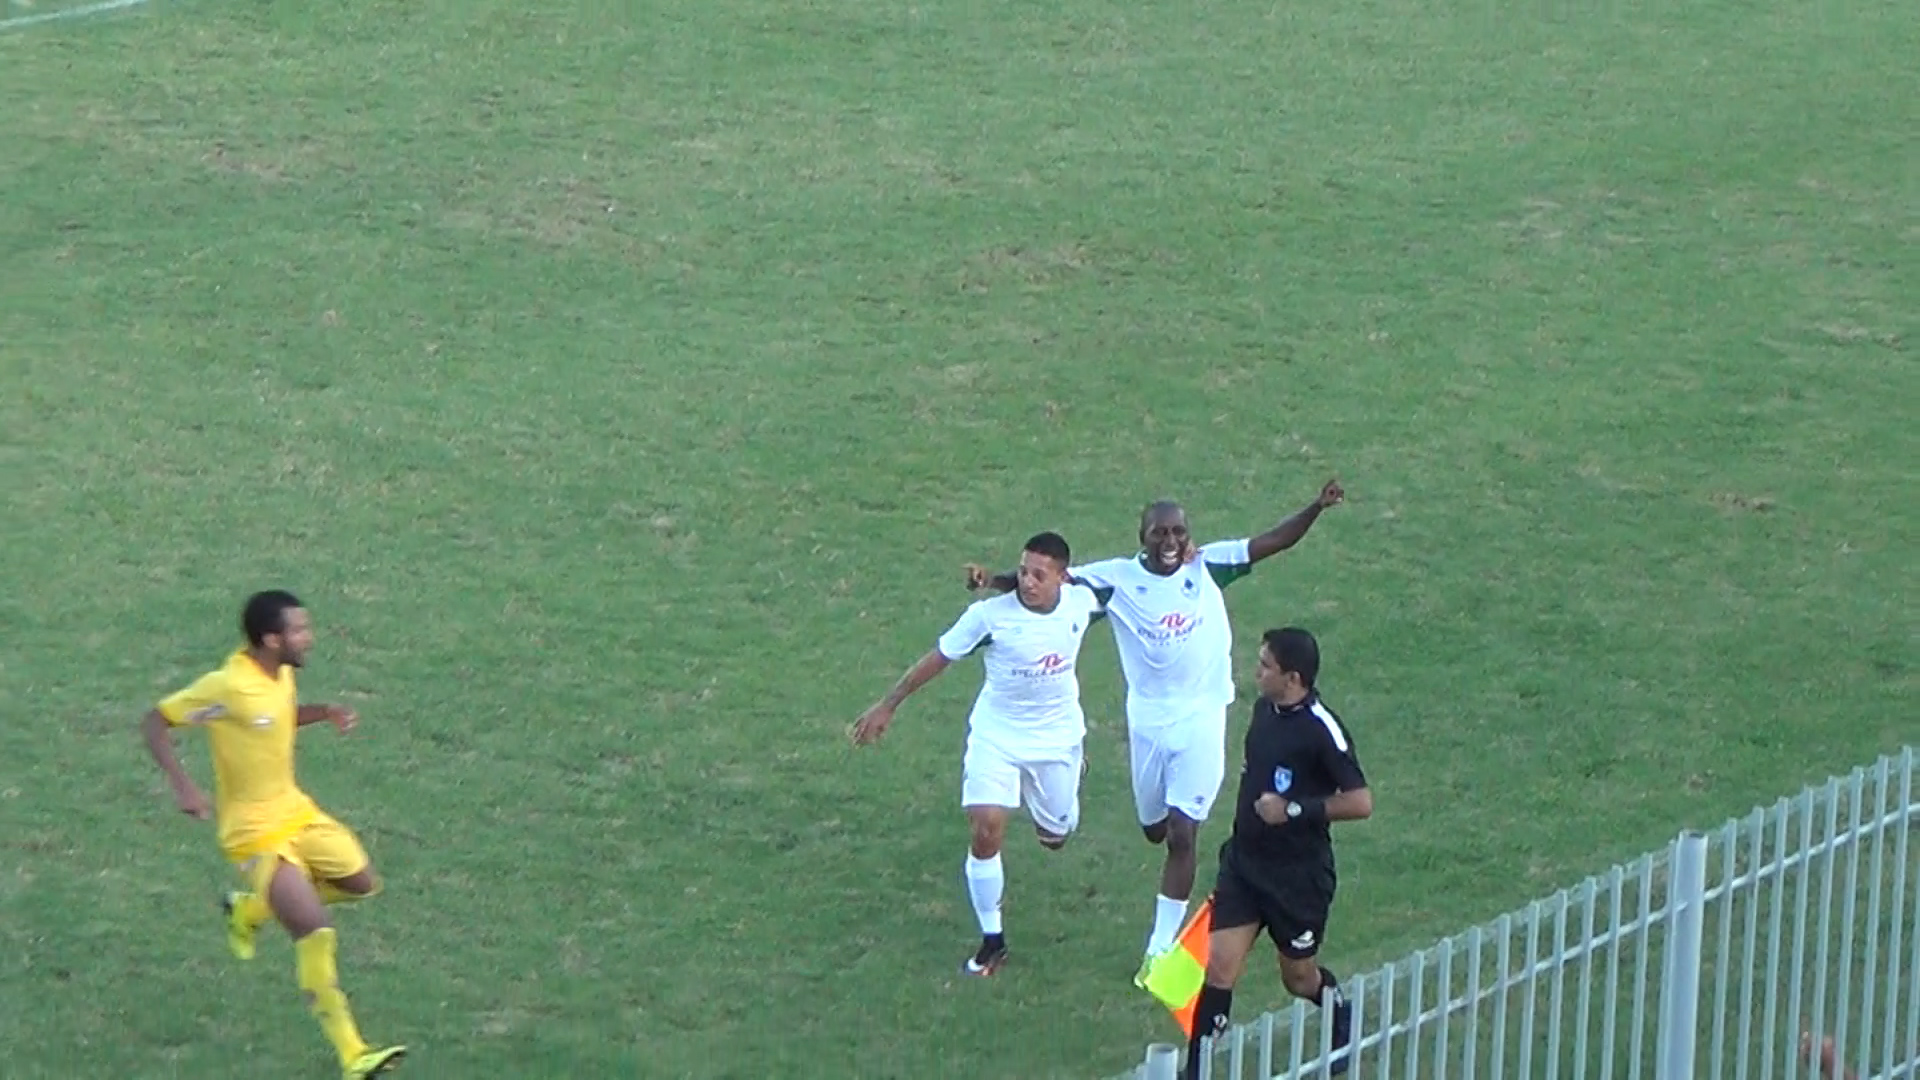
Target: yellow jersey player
(294, 859)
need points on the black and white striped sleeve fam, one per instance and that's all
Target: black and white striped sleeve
(1338, 754)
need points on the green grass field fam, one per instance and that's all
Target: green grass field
(623, 385)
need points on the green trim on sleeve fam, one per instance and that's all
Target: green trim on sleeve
(1225, 574)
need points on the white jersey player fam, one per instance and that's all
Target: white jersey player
(1176, 652)
(1025, 733)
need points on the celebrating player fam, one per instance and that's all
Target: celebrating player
(1277, 869)
(1025, 732)
(1176, 652)
(294, 857)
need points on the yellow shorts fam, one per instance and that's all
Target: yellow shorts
(321, 847)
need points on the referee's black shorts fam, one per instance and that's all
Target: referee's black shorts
(1289, 900)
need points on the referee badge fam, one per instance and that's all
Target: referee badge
(1282, 779)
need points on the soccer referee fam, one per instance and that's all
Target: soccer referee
(1276, 870)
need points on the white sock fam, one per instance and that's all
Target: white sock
(985, 883)
(1168, 915)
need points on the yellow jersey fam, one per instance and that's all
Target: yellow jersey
(250, 718)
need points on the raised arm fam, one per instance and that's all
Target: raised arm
(1289, 532)
(873, 723)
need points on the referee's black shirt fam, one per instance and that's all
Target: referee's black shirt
(1298, 752)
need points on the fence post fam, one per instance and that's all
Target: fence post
(1680, 996)
(1163, 1062)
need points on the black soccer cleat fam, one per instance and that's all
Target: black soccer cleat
(986, 961)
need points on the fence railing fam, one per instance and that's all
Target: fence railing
(1784, 945)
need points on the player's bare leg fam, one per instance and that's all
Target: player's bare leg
(986, 882)
(355, 886)
(247, 911)
(299, 907)
(1307, 980)
(1181, 835)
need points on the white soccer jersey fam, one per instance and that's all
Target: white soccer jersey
(1176, 646)
(1029, 703)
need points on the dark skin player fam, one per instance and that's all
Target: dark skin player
(1167, 542)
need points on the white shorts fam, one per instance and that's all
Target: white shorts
(1179, 761)
(1049, 786)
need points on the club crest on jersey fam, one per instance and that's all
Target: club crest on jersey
(1189, 587)
(1282, 779)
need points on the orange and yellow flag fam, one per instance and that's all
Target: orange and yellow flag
(1176, 976)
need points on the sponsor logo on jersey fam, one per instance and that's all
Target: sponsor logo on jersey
(1171, 628)
(1048, 665)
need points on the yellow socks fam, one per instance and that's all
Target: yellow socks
(313, 956)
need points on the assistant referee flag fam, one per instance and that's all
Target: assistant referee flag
(1177, 975)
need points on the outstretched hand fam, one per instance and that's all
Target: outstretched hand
(978, 577)
(1331, 495)
(872, 725)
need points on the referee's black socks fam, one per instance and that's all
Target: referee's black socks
(1211, 1012)
(1209, 1021)
(1339, 1014)
(1329, 995)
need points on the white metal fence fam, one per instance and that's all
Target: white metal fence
(1723, 957)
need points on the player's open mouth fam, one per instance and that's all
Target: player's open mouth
(1169, 556)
